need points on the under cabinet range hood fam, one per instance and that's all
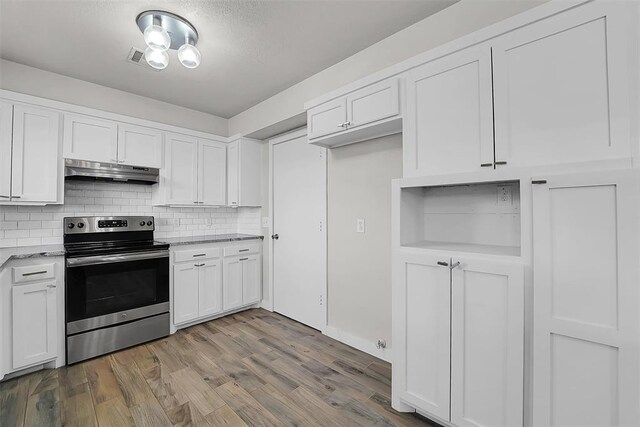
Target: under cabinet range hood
(81, 170)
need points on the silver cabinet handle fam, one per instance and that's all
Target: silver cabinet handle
(243, 259)
(243, 250)
(442, 263)
(197, 255)
(16, 197)
(198, 265)
(5, 197)
(486, 165)
(33, 273)
(501, 163)
(51, 286)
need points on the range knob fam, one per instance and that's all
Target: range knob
(81, 225)
(70, 225)
(149, 223)
(141, 223)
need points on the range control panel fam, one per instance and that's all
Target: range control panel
(101, 224)
(111, 223)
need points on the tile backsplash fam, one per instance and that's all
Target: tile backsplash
(42, 225)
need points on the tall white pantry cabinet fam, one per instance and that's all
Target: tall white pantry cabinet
(516, 276)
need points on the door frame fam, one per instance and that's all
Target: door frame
(270, 303)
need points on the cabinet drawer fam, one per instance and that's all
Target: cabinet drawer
(250, 248)
(33, 272)
(196, 254)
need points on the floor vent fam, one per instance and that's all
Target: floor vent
(136, 56)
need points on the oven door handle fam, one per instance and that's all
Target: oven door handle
(108, 259)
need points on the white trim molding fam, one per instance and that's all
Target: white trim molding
(359, 343)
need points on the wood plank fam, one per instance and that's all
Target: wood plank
(187, 415)
(225, 417)
(247, 408)
(150, 414)
(261, 366)
(77, 408)
(203, 397)
(317, 409)
(281, 407)
(102, 381)
(131, 381)
(113, 413)
(43, 409)
(13, 401)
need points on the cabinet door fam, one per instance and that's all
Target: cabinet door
(421, 327)
(139, 146)
(487, 343)
(585, 339)
(212, 169)
(251, 279)
(561, 88)
(182, 170)
(327, 118)
(233, 173)
(449, 117)
(6, 129)
(185, 292)
(34, 323)
(373, 103)
(89, 138)
(231, 283)
(36, 154)
(210, 285)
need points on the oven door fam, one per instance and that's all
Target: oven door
(115, 288)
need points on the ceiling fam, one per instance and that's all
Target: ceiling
(251, 50)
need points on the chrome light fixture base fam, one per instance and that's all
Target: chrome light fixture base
(179, 29)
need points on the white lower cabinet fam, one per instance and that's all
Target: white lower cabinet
(206, 283)
(210, 287)
(185, 292)
(459, 345)
(34, 323)
(585, 269)
(232, 283)
(31, 314)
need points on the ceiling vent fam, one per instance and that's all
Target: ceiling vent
(136, 56)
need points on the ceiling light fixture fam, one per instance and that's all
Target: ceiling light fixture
(163, 31)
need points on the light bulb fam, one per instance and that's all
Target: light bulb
(158, 59)
(157, 37)
(189, 55)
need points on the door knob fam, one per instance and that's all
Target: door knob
(275, 236)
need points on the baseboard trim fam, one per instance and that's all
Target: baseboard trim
(358, 343)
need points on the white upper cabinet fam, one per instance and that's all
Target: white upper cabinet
(90, 138)
(36, 162)
(586, 334)
(328, 118)
(561, 88)
(364, 114)
(181, 172)
(373, 103)
(212, 173)
(244, 172)
(139, 146)
(448, 124)
(6, 129)
(99, 140)
(195, 172)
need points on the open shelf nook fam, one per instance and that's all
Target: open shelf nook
(478, 218)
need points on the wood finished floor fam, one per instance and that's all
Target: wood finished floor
(253, 368)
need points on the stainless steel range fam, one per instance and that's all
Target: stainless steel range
(117, 285)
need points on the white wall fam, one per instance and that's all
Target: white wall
(449, 24)
(359, 264)
(33, 81)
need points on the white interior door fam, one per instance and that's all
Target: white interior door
(299, 215)
(585, 257)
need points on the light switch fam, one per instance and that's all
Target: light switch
(360, 225)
